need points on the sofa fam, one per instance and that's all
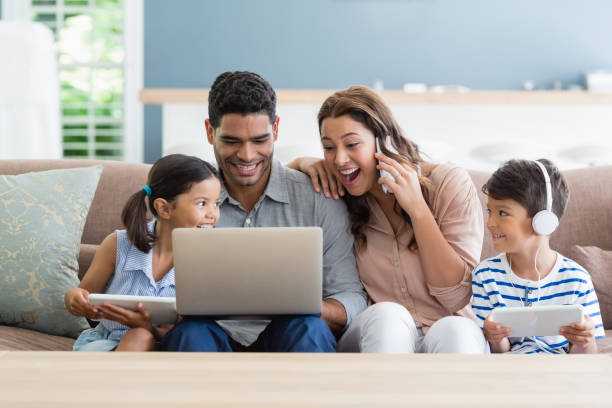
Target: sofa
(118, 181)
(587, 223)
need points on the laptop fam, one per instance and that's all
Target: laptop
(248, 273)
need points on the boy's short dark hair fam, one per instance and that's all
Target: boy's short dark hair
(523, 182)
(240, 92)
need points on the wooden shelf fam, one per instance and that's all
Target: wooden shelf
(159, 96)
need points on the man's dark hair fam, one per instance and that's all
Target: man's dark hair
(240, 92)
(523, 182)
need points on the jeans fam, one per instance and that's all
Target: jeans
(283, 334)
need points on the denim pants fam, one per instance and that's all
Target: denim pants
(283, 334)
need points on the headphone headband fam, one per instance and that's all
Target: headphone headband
(548, 185)
(545, 222)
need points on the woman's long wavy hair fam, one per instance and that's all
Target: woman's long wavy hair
(366, 107)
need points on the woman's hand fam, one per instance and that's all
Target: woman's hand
(139, 318)
(580, 335)
(319, 173)
(406, 187)
(76, 301)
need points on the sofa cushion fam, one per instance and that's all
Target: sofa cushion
(41, 221)
(587, 218)
(86, 255)
(599, 264)
(605, 345)
(14, 338)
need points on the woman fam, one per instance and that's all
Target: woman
(416, 246)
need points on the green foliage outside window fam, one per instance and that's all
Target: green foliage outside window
(89, 42)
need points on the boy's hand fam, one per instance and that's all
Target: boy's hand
(495, 332)
(126, 317)
(579, 334)
(76, 302)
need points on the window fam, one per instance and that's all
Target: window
(98, 97)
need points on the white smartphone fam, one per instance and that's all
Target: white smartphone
(537, 320)
(384, 173)
(162, 309)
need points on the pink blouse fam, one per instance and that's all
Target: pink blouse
(390, 271)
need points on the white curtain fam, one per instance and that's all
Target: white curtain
(30, 126)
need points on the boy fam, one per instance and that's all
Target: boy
(525, 201)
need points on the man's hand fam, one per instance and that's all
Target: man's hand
(334, 314)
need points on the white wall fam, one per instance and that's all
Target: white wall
(474, 136)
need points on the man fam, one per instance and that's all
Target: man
(259, 192)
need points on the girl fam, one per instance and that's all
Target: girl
(183, 192)
(415, 248)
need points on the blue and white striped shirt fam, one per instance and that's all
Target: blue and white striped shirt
(134, 276)
(495, 285)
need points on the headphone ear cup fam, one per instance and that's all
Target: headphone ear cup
(545, 222)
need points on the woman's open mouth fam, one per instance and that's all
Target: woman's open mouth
(349, 176)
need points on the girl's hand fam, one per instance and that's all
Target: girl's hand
(579, 334)
(139, 318)
(76, 302)
(319, 173)
(494, 332)
(406, 187)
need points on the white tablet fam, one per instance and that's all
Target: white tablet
(537, 320)
(162, 309)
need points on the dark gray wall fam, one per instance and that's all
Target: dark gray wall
(482, 44)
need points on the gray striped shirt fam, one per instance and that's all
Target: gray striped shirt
(289, 200)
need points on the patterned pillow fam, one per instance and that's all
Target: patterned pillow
(42, 216)
(598, 263)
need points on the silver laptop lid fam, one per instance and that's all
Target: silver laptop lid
(248, 272)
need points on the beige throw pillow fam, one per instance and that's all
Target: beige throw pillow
(599, 264)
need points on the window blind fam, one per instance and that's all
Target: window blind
(89, 38)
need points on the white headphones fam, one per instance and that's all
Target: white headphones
(545, 222)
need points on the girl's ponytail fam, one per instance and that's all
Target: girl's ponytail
(134, 217)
